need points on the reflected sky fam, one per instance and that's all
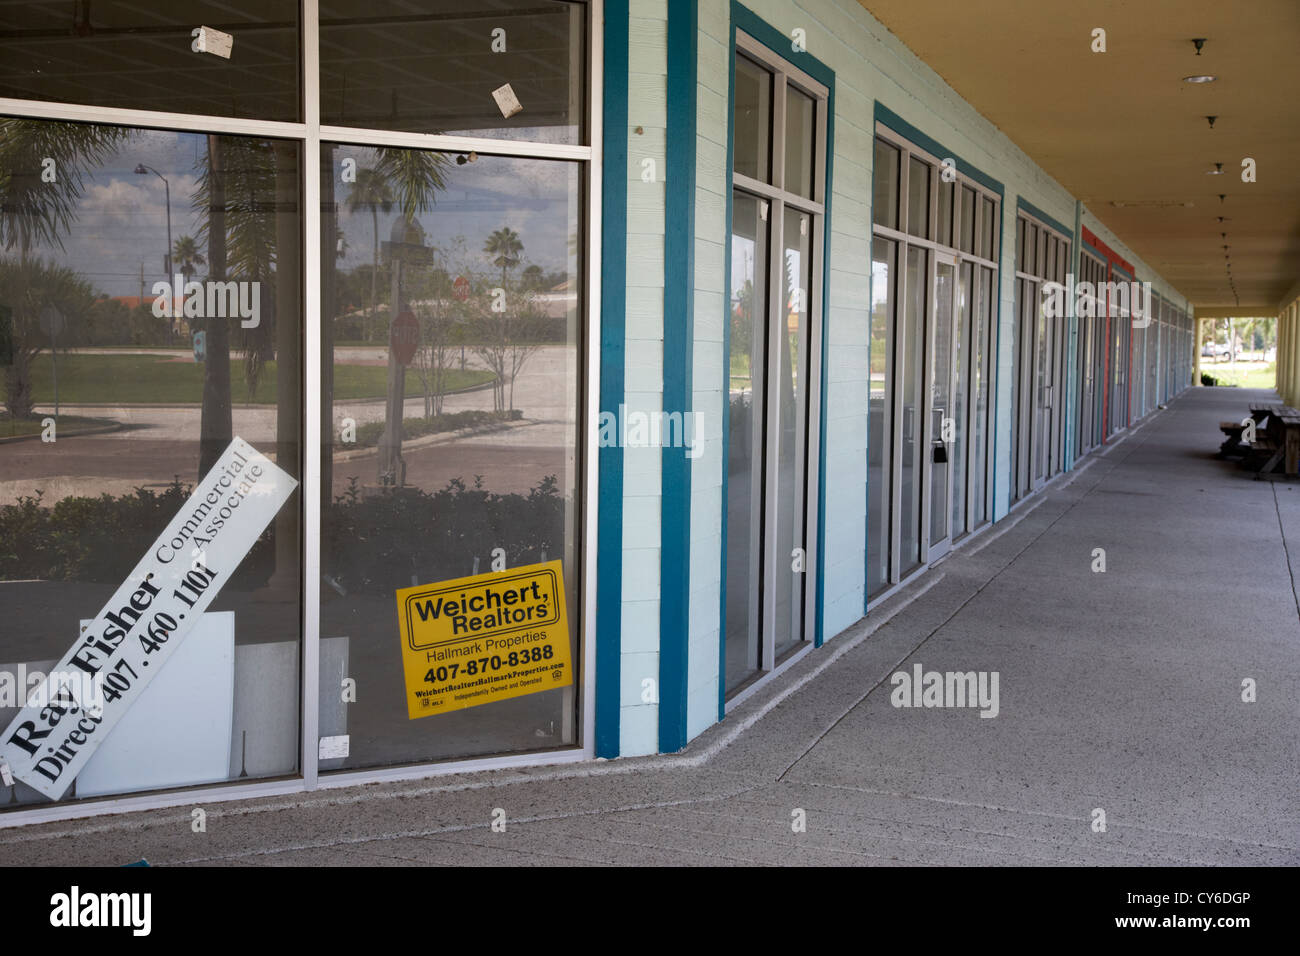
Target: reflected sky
(118, 237)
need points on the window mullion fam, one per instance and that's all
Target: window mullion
(313, 399)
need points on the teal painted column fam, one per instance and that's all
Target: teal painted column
(613, 322)
(679, 355)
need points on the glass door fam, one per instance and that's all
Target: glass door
(1044, 382)
(777, 253)
(939, 416)
(787, 412)
(962, 406)
(748, 375)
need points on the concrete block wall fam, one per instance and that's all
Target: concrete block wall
(642, 467)
(709, 401)
(870, 65)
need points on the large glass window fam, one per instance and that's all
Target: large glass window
(932, 303)
(496, 68)
(883, 279)
(748, 314)
(147, 56)
(800, 121)
(885, 186)
(483, 463)
(960, 395)
(918, 198)
(1038, 356)
(981, 492)
(156, 290)
(1090, 370)
(153, 290)
(912, 371)
(774, 327)
(752, 110)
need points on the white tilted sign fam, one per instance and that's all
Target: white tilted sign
(131, 639)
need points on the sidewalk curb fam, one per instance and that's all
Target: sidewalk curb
(438, 438)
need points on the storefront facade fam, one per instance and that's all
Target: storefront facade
(684, 301)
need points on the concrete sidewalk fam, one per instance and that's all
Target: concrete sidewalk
(1118, 691)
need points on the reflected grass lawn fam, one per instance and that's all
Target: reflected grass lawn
(126, 379)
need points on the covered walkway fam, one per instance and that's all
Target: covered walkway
(1118, 691)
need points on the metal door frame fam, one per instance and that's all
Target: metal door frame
(933, 550)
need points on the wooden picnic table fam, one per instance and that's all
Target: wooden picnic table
(1280, 439)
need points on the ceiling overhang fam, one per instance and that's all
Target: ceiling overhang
(1122, 131)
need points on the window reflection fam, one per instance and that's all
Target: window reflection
(883, 254)
(752, 115)
(494, 68)
(472, 456)
(123, 384)
(142, 56)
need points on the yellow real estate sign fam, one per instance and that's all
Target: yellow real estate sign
(484, 638)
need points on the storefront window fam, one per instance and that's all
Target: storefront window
(137, 56)
(927, 479)
(150, 283)
(494, 68)
(478, 258)
(158, 314)
(775, 316)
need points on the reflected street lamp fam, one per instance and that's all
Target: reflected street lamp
(142, 170)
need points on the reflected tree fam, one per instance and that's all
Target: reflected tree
(43, 168)
(505, 246)
(28, 287)
(186, 253)
(371, 191)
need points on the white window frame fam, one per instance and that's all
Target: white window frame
(892, 464)
(785, 74)
(1035, 280)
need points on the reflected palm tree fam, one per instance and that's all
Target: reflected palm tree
(186, 253)
(506, 246)
(372, 191)
(43, 167)
(533, 279)
(28, 287)
(414, 176)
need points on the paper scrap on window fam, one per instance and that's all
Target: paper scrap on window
(208, 40)
(507, 102)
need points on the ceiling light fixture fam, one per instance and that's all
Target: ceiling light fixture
(1211, 119)
(1216, 171)
(1198, 43)
(1159, 203)
(1200, 78)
